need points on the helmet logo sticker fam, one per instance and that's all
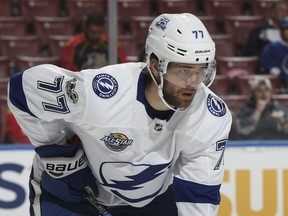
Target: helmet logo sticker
(216, 106)
(105, 85)
(162, 23)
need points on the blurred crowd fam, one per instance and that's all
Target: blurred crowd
(251, 40)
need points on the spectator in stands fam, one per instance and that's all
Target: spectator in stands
(274, 58)
(266, 32)
(90, 48)
(262, 118)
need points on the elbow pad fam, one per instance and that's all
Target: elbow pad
(65, 172)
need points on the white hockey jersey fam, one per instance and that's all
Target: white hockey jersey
(133, 155)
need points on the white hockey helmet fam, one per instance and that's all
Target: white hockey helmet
(181, 38)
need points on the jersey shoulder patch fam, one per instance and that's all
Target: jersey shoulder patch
(104, 85)
(216, 106)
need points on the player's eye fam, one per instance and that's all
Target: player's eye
(187, 72)
(184, 71)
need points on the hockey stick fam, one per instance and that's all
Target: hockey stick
(92, 199)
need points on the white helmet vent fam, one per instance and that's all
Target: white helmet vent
(176, 50)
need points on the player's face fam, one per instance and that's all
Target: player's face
(181, 82)
(93, 33)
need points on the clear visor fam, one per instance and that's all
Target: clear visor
(186, 75)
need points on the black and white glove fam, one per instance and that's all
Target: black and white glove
(66, 172)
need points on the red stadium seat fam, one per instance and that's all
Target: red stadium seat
(4, 67)
(3, 110)
(210, 23)
(3, 85)
(79, 9)
(12, 46)
(140, 25)
(46, 26)
(281, 98)
(3, 107)
(129, 8)
(56, 43)
(240, 26)
(243, 87)
(221, 85)
(25, 62)
(130, 46)
(178, 6)
(32, 8)
(6, 8)
(221, 8)
(13, 25)
(229, 64)
(225, 45)
(262, 7)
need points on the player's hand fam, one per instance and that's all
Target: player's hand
(66, 172)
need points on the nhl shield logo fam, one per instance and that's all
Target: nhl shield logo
(105, 85)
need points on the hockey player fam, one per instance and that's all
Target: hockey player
(150, 138)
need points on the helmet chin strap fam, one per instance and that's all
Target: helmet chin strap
(160, 90)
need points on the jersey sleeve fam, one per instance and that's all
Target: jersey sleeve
(44, 99)
(199, 173)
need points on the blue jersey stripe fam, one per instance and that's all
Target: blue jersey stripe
(16, 93)
(185, 191)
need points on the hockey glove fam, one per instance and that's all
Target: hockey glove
(66, 172)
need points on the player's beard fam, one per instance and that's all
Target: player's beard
(178, 97)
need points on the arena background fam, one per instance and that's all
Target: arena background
(256, 174)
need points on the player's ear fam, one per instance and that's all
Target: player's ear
(154, 67)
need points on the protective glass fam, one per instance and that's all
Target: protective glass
(185, 75)
(210, 74)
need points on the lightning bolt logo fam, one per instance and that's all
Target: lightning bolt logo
(136, 187)
(104, 85)
(216, 106)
